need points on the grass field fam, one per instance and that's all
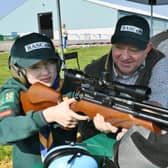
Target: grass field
(4, 73)
(85, 55)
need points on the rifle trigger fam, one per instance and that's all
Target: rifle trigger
(77, 97)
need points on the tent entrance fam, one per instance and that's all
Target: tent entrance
(45, 24)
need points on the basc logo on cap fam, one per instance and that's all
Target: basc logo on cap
(37, 45)
(133, 29)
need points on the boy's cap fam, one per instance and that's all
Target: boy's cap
(31, 49)
(132, 29)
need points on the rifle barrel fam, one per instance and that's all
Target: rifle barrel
(145, 111)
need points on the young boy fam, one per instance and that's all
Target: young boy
(33, 59)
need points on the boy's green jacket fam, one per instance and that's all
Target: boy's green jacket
(21, 130)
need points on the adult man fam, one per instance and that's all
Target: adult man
(131, 60)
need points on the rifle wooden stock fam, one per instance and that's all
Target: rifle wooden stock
(39, 97)
(115, 117)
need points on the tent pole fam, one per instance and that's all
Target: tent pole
(60, 34)
(151, 20)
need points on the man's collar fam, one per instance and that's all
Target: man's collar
(116, 74)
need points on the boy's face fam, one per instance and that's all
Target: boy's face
(128, 58)
(44, 72)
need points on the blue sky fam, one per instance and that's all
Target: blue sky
(7, 5)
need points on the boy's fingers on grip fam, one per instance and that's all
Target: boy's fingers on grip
(80, 117)
(69, 100)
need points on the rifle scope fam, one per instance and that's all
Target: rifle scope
(137, 92)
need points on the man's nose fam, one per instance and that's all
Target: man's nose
(125, 54)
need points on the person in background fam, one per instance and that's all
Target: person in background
(33, 59)
(131, 60)
(64, 36)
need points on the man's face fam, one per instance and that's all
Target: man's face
(44, 72)
(128, 58)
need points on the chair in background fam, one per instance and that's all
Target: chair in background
(72, 55)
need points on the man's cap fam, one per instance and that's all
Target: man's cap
(132, 29)
(31, 49)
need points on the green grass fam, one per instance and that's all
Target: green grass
(4, 73)
(85, 55)
(5, 152)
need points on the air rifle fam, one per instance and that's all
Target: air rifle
(121, 105)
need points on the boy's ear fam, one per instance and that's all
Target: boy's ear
(18, 73)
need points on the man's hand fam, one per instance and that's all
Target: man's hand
(121, 134)
(102, 125)
(106, 127)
